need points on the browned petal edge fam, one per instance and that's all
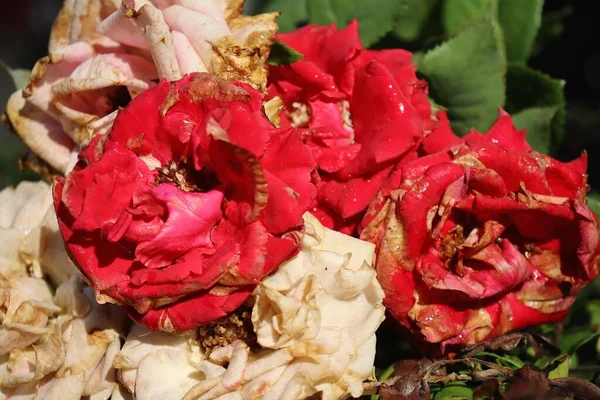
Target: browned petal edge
(37, 73)
(7, 123)
(31, 161)
(76, 20)
(208, 86)
(61, 28)
(272, 108)
(261, 192)
(247, 61)
(233, 9)
(171, 99)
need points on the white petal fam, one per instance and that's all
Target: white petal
(165, 375)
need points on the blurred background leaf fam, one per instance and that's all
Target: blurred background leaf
(527, 88)
(520, 21)
(466, 74)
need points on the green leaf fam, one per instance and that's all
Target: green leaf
(466, 74)
(282, 54)
(375, 17)
(537, 121)
(292, 13)
(20, 77)
(561, 371)
(506, 360)
(543, 362)
(572, 341)
(520, 21)
(458, 14)
(594, 203)
(527, 88)
(384, 375)
(411, 16)
(454, 391)
(593, 306)
(324, 12)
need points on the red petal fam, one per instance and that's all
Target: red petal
(348, 198)
(98, 195)
(376, 94)
(190, 220)
(504, 133)
(423, 195)
(190, 313)
(288, 168)
(442, 137)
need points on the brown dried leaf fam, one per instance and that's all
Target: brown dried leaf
(409, 384)
(504, 342)
(579, 388)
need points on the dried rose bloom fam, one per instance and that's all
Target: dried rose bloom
(21, 210)
(52, 345)
(25, 307)
(31, 242)
(483, 237)
(186, 203)
(314, 320)
(73, 353)
(103, 53)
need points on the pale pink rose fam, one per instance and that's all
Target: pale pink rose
(103, 53)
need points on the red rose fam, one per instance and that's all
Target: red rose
(365, 110)
(182, 208)
(482, 238)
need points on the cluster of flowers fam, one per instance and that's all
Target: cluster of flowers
(251, 223)
(475, 236)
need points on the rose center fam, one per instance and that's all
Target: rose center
(228, 329)
(187, 178)
(451, 242)
(300, 115)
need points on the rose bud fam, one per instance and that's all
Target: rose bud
(485, 237)
(104, 53)
(364, 111)
(182, 208)
(311, 329)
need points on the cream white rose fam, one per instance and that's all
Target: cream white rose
(67, 356)
(31, 243)
(53, 345)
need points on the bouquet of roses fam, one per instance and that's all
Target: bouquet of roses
(233, 211)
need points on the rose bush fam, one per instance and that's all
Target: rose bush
(104, 53)
(186, 203)
(483, 237)
(364, 111)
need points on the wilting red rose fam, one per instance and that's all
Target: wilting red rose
(481, 238)
(188, 201)
(365, 110)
